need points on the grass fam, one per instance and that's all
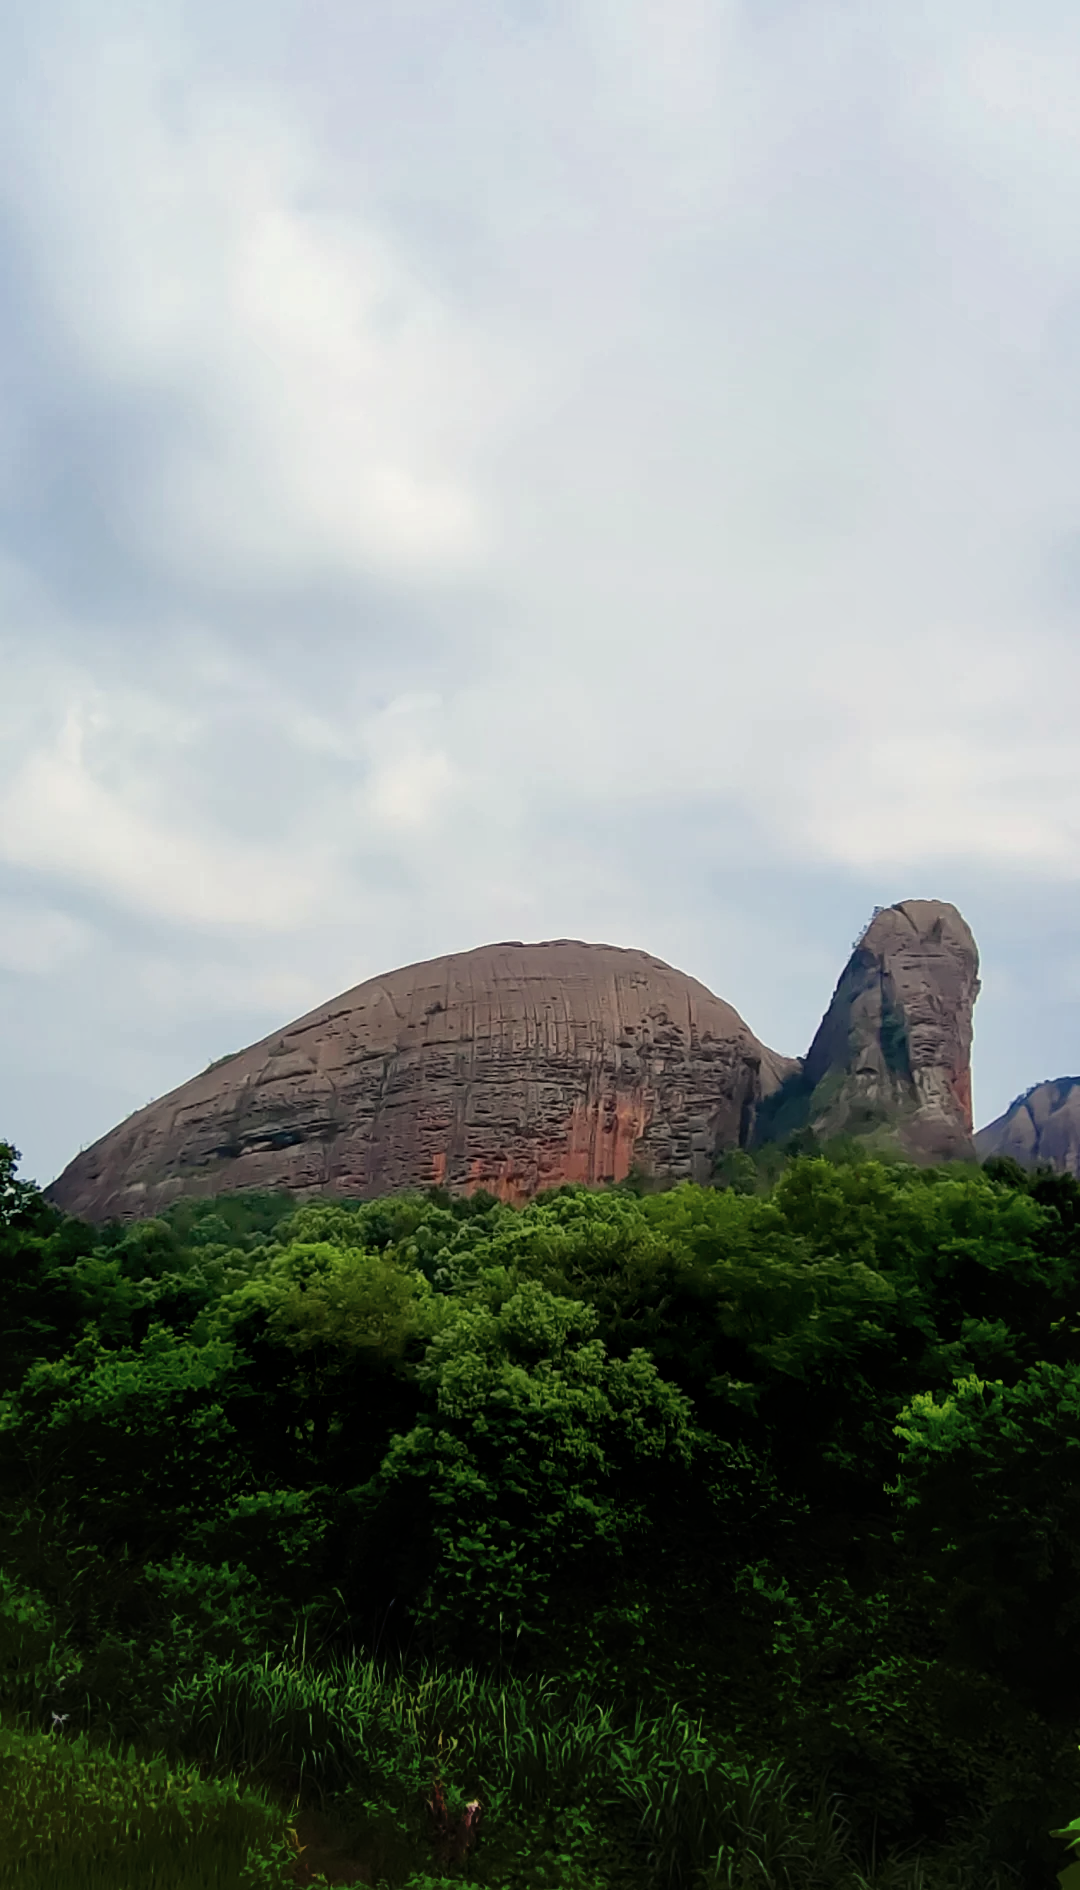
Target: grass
(274, 1773)
(86, 1817)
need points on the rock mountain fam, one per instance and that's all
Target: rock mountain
(1041, 1126)
(515, 1067)
(891, 1061)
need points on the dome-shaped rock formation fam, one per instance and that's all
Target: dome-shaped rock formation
(891, 1061)
(510, 1068)
(1041, 1127)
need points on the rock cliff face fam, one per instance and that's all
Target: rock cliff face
(891, 1061)
(510, 1068)
(516, 1067)
(1042, 1126)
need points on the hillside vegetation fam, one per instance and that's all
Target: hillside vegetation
(715, 1536)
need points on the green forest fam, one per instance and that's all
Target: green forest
(628, 1540)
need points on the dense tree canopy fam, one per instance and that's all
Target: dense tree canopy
(800, 1452)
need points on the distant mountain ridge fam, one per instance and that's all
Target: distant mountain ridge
(1040, 1127)
(515, 1067)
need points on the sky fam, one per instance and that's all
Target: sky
(477, 470)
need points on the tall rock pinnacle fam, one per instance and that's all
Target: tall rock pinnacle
(891, 1061)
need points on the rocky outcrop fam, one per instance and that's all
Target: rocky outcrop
(891, 1061)
(516, 1067)
(511, 1068)
(1042, 1127)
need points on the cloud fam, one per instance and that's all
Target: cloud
(317, 404)
(37, 942)
(529, 471)
(59, 817)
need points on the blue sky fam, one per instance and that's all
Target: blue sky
(486, 471)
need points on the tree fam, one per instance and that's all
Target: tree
(533, 1466)
(40, 1309)
(22, 1204)
(988, 1482)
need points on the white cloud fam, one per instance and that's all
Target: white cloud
(411, 779)
(318, 405)
(407, 791)
(37, 941)
(59, 817)
(178, 989)
(492, 472)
